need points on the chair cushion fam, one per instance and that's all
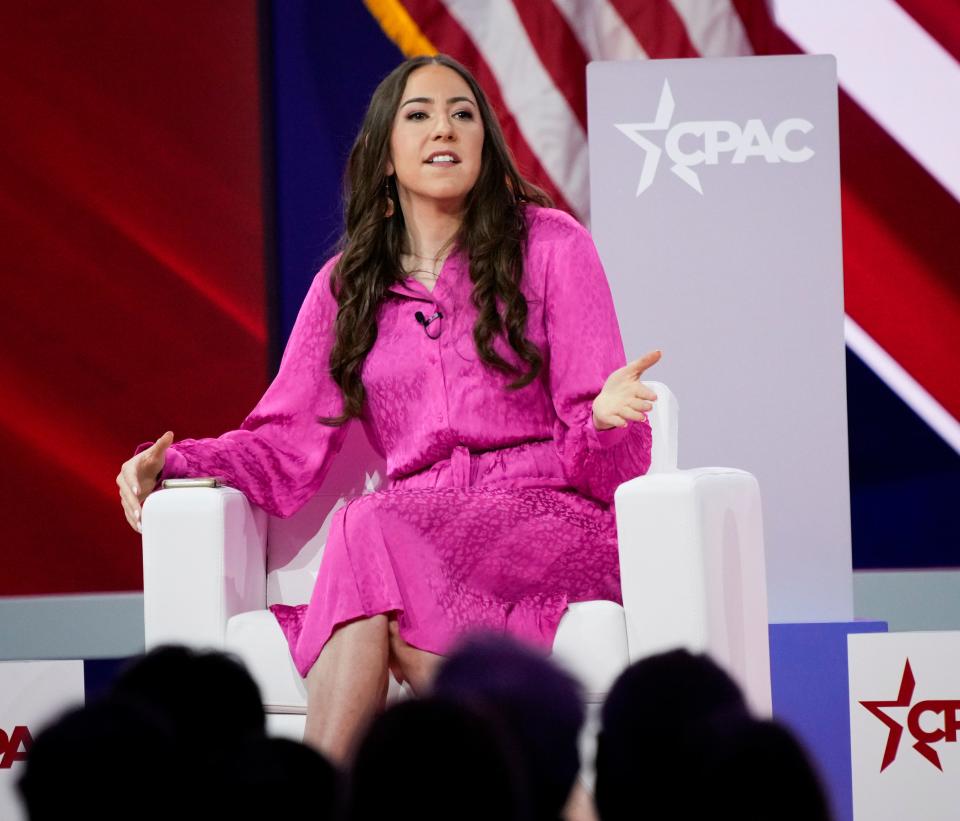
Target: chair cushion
(591, 643)
(256, 638)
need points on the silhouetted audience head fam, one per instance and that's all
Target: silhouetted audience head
(757, 770)
(677, 741)
(114, 759)
(209, 696)
(652, 719)
(277, 778)
(434, 759)
(540, 706)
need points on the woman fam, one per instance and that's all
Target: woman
(471, 329)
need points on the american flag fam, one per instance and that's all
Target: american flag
(899, 122)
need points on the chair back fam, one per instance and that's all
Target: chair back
(663, 424)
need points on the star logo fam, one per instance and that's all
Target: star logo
(903, 699)
(652, 151)
(924, 737)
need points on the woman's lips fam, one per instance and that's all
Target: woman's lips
(430, 160)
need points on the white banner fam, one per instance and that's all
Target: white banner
(904, 723)
(32, 693)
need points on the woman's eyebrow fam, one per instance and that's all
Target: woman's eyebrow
(450, 101)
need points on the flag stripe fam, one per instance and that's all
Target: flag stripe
(888, 244)
(764, 35)
(546, 120)
(922, 114)
(447, 35)
(600, 30)
(910, 311)
(657, 27)
(902, 383)
(713, 28)
(940, 20)
(560, 52)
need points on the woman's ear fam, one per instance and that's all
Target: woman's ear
(389, 169)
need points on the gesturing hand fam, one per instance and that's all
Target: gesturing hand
(138, 476)
(624, 396)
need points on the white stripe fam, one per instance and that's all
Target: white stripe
(713, 27)
(544, 117)
(601, 30)
(893, 68)
(902, 384)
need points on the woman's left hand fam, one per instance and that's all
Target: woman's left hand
(624, 397)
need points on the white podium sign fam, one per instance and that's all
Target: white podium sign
(715, 205)
(32, 693)
(904, 725)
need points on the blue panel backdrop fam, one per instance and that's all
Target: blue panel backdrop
(327, 58)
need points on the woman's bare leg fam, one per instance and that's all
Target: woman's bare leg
(417, 667)
(346, 687)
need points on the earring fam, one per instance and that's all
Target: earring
(386, 190)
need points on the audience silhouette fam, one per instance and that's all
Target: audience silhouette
(433, 760)
(539, 705)
(183, 733)
(678, 741)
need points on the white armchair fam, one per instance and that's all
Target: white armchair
(691, 559)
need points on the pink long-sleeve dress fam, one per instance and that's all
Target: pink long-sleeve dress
(497, 510)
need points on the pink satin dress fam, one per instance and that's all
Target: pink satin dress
(497, 510)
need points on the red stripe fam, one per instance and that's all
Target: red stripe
(559, 50)
(657, 27)
(911, 312)
(448, 37)
(763, 33)
(900, 254)
(940, 20)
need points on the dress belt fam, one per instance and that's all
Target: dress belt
(530, 464)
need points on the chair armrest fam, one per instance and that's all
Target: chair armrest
(204, 561)
(693, 570)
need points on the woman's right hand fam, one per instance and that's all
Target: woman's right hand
(138, 477)
(624, 397)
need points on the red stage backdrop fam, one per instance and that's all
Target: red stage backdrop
(132, 259)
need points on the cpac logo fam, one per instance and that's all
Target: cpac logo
(10, 746)
(710, 138)
(945, 731)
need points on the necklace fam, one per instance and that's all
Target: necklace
(437, 260)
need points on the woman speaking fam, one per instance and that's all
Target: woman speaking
(470, 327)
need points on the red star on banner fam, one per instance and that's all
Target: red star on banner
(949, 731)
(876, 708)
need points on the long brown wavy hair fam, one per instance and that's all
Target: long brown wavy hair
(492, 234)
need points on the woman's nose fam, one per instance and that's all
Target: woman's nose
(444, 128)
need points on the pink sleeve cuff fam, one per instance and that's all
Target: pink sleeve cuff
(605, 438)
